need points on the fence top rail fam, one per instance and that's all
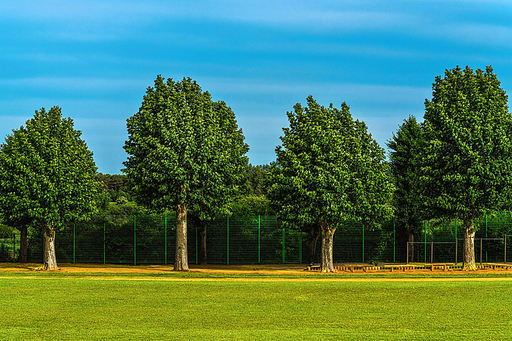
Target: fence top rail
(431, 242)
(456, 240)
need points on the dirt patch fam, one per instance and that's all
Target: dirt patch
(266, 269)
(127, 269)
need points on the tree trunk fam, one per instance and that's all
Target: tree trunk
(204, 258)
(327, 264)
(313, 241)
(411, 247)
(50, 259)
(181, 258)
(23, 245)
(468, 250)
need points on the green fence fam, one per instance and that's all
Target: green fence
(230, 240)
(150, 239)
(442, 242)
(9, 248)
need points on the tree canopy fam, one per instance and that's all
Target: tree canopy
(328, 171)
(185, 150)
(47, 177)
(404, 147)
(467, 157)
(255, 180)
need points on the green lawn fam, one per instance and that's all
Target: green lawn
(148, 308)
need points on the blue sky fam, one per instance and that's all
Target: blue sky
(95, 59)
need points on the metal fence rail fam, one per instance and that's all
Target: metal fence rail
(150, 239)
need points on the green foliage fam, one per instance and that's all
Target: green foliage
(47, 174)
(329, 168)
(184, 148)
(124, 208)
(116, 186)
(252, 199)
(116, 197)
(255, 180)
(5, 231)
(404, 147)
(251, 205)
(467, 157)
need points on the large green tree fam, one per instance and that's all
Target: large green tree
(328, 171)
(47, 177)
(404, 146)
(467, 157)
(185, 151)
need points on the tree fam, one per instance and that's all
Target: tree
(467, 158)
(255, 180)
(115, 185)
(328, 170)
(251, 205)
(47, 176)
(404, 146)
(185, 150)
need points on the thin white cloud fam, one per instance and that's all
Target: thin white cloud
(69, 10)
(110, 20)
(472, 34)
(368, 92)
(84, 17)
(238, 86)
(76, 83)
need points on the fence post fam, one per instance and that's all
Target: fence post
(134, 240)
(300, 247)
(13, 247)
(456, 249)
(425, 240)
(165, 239)
(407, 257)
(485, 236)
(431, 252)
(197, 247)
(363, 243)
(456, 241)
(104, 241)
(227, 245)
(505, 248)
(259, 239)
(74, 243)
(394, 241)
(481, 243)
(284, 249)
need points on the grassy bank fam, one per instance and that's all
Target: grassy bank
(53, 307)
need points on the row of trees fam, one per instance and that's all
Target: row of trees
(457, 164)
(186, 153)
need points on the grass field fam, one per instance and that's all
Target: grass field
(148, 307)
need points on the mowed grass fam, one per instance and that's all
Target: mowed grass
(149, 308)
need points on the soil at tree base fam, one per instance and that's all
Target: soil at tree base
(266, 269)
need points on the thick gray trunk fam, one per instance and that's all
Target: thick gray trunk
(181, 258)
(50, 259)
(468, 250)
(411, 247)
(327, 264)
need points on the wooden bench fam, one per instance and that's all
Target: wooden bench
(444, 266)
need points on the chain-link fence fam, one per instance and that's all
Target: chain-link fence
(9, 248)
(442, 241)
(150, 239)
